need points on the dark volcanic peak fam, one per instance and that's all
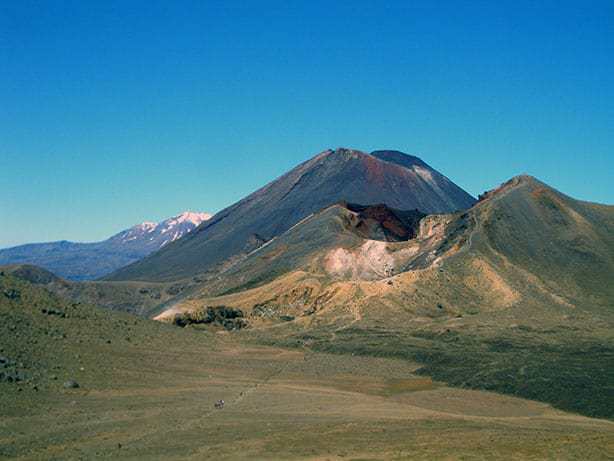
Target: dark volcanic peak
(400, 181)
(394, 156)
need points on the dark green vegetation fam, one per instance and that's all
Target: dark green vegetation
(571, 374)
(400, 181)
(227, 317)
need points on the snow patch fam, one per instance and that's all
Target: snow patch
(425, 174)
(189, 217)
(176, 227)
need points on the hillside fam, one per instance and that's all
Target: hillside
(533, 240)
(523, 277)
(140, 298)
(398, 180)
(78, 382)
(88, 261)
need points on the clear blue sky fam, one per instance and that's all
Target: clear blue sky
(112, 113)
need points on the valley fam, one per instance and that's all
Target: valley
(147, 390)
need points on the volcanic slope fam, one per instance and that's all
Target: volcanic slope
(524, 240)
(343, 241)
(146, 390)
(398, 180)
(521, 281)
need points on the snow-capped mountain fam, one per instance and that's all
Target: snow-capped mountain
(87, 261)
(156, 235)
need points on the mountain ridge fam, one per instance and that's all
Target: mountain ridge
(91, 260)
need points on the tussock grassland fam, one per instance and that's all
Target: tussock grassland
(147, 391)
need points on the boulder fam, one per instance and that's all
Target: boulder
(71, 384)
(12, 294)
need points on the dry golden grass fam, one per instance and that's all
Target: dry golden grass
(289, 405)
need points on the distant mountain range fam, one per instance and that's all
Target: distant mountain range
(88, 261)
(400, 181)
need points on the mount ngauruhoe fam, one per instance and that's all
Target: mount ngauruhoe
(398, 180)
(87, 261)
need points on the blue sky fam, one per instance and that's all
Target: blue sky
(112, 113)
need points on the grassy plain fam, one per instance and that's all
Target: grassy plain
(147, 391)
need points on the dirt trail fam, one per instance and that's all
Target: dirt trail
(253, 388)
(250, 389)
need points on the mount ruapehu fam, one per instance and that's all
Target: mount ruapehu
(88, 261)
